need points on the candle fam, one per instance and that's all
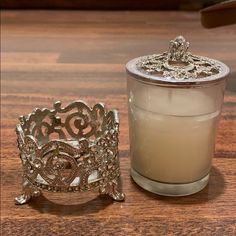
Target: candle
(172, 131)
(174, 102)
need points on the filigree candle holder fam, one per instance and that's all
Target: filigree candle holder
(69, 149)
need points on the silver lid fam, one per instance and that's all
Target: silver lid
(177, 67)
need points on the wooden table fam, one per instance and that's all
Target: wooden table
(49, 56)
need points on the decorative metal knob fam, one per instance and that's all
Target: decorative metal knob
(178, 49)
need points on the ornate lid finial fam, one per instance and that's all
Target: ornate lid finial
(178, 49)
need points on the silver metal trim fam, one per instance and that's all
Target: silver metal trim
(84, 157)
(177, 67)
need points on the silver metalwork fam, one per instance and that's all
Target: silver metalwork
(177, 67)
(179, 64)
(69, 149)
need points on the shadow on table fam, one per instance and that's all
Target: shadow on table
(214, 189)
(44, 205)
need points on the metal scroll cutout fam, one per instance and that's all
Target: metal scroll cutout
(69, 149)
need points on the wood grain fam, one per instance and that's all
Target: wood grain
(49, 56)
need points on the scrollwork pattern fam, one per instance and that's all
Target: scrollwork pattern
(178, 64)
(65, 165)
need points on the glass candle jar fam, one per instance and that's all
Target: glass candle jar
(174, 101)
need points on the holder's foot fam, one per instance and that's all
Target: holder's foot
(28, 191)
(113, 191)
(117, 196)
(22, 199)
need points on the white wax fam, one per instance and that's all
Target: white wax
(172, 149)
(172, 131)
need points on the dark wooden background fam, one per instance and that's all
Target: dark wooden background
(49, 56)
(107, 4)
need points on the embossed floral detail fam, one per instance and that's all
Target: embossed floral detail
(177, 63)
